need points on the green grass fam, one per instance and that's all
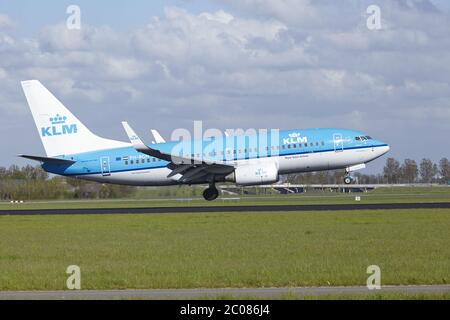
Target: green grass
(382, 195)
(225, 249)
(365, 296)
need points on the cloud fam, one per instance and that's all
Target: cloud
(283, 64)
(6, 22)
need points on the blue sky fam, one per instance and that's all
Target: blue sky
(233, 64)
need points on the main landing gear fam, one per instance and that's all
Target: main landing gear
(211, 193)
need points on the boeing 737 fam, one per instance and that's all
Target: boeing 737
(72, 150)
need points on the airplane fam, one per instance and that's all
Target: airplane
(72, 150)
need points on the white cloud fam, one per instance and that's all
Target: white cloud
(283, 64)
(6, 22)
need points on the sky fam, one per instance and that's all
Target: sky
(232, 64)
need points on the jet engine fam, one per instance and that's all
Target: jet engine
(248, 175)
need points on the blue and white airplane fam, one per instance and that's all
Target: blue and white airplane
(73, 150)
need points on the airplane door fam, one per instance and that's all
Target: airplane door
(105, 166)
(338, 142)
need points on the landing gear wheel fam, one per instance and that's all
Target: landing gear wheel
(211, 194)
(348, 180)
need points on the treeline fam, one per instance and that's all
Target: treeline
(409, 171)
(28, 183)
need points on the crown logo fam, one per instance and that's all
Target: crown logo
(294, 135)
(58, 119)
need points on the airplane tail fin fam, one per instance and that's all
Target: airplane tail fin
(60, 131)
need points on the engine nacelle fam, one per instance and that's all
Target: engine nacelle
(250, 175)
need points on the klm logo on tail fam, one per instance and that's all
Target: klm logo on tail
(58, 127)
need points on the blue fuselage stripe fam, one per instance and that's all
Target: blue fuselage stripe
(246, 158)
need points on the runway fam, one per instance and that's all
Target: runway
(217, 293)
(230, 208)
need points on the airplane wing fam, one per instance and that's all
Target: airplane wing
(190, 169)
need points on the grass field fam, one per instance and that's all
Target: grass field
(382, 195)
(225, 249)
(366, 296)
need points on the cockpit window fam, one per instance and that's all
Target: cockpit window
(363, 138)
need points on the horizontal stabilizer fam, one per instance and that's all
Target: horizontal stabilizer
(48, 160)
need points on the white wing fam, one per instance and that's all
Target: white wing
(190, 169)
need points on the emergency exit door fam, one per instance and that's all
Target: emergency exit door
(106, 169)
(338, 142)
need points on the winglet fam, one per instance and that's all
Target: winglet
(141, 146)
(134, 138)
(157, 136)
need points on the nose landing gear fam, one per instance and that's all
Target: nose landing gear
(348, 179)
(211, 193)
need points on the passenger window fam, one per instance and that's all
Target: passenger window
(306, 144)
(317, 144)
(131, 162)
(126, 162)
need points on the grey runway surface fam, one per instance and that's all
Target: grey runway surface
(231, 208)
(217, 293)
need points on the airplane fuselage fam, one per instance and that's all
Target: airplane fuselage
(291, 151)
